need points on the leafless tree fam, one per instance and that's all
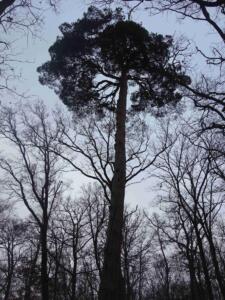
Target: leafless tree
(12, 232)
(31, 169)
(136, 253)
(196, 196)
(89, 148)
(22, 17)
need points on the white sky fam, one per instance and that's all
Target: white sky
(36, 52)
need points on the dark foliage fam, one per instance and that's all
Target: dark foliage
(87, 61)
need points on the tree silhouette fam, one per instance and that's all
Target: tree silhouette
(92, 64)
(25, 17)
(34, 172)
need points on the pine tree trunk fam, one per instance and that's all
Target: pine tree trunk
(112, 284)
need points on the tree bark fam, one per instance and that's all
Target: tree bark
(44, 263)
(10, 273)
(30, 276)
(218, 274)
(209, 291)
(112, 284)
(74, 272)
(193, 282)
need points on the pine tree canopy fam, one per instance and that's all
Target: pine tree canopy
(87, 61)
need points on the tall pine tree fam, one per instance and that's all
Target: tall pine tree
(92, 64)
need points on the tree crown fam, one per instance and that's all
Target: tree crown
(88, 59)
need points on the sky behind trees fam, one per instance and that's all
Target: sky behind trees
(68, 235)
(32, 51)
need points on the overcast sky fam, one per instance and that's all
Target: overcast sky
(35, 52)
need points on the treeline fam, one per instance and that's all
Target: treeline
(175, 253)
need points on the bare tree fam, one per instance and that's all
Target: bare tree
(23, 17)
(32, 170)
(96, 207)
(12, 232)
(136, 253)
(196, 196)
(92, 144)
